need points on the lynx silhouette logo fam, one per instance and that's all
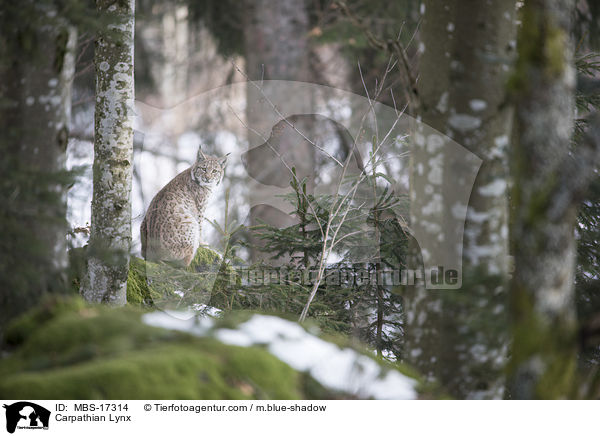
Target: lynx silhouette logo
(26, 415)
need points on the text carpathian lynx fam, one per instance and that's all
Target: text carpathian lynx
(171, 228)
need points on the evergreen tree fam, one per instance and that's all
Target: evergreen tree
(37, 45)
(352, 297)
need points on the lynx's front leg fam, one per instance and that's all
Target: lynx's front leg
(189, 256)
(187, 240)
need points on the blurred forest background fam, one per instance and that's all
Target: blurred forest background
(101, 104)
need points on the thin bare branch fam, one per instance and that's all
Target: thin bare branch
(283, 118)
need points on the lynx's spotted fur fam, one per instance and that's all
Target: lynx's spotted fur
(171, 228)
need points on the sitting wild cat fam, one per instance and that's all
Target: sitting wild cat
(171, 228)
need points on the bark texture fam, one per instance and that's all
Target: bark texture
(548, 178)
(36, 70)
(110, 238)
(459, 336)
(276, 48)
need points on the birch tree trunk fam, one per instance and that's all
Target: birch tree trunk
(110, 238)
(36, 70)
(459, 336)
(549, 176)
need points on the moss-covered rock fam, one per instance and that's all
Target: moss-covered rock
(138, 291)
(162, 285)
(350, 371)
(205, 260)
(68, 350)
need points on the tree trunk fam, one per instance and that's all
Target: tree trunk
(548, 178)
(110, 238)
(276, 38)
(36, 71)
(459, 336)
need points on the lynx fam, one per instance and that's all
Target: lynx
(171, 228)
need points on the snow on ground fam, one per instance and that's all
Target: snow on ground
(341, 369)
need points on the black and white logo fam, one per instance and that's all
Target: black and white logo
(26, 415)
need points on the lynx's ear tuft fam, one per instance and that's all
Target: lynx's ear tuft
(200, 156)
(224, 159)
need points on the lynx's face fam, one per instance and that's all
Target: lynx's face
(208, 169)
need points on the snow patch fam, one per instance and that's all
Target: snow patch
(477, 217)
(501, 141)
(184, 321)
(434, 206)
(431, 228)
(435, 174)
(464, 122)
(494, 189)
(459, 211)
(434, 142)
(342, 369)
(419, 139)
(477, 105)
(442, 105)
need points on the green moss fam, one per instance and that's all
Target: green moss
(555, 49)
(207, 371)
(53, 306)
(138, 291)
(77, 266)
(160, 284)
(204, 259)
(537, 338)
(92, 332)
(81, 352)
(541, 44)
